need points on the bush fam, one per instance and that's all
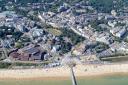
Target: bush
(25, 64)
(4, 65)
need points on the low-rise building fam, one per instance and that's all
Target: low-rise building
(104, 37)
(118, 31)
(119, 47)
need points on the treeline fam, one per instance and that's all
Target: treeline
(4, 31)
(7, 65)
(4, 65)
(107, 5)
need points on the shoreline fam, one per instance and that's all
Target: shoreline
(68, 78)
(81, 71)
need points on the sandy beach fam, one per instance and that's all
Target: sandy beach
(64, 71)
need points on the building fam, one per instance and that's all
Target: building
(30, 54)
(38, 56)
(112, 23)
(105, 53)
(119, 47)
(17, 56)
(118, 31)
(36, 32)
(105, 38)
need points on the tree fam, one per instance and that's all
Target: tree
(3, 48)
(2, 36)
(75, 38)
(18, 45)
(17, 35)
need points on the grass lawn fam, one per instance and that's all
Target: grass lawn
(55, 32)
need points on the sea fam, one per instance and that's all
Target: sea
(118, 79)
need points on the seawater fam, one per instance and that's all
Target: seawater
(105, 80)
(117, 79)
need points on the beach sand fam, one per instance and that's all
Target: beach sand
(63, 72)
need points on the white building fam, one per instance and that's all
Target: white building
(112, 23)
(104, 37)
(36, 32)
(118, 31)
